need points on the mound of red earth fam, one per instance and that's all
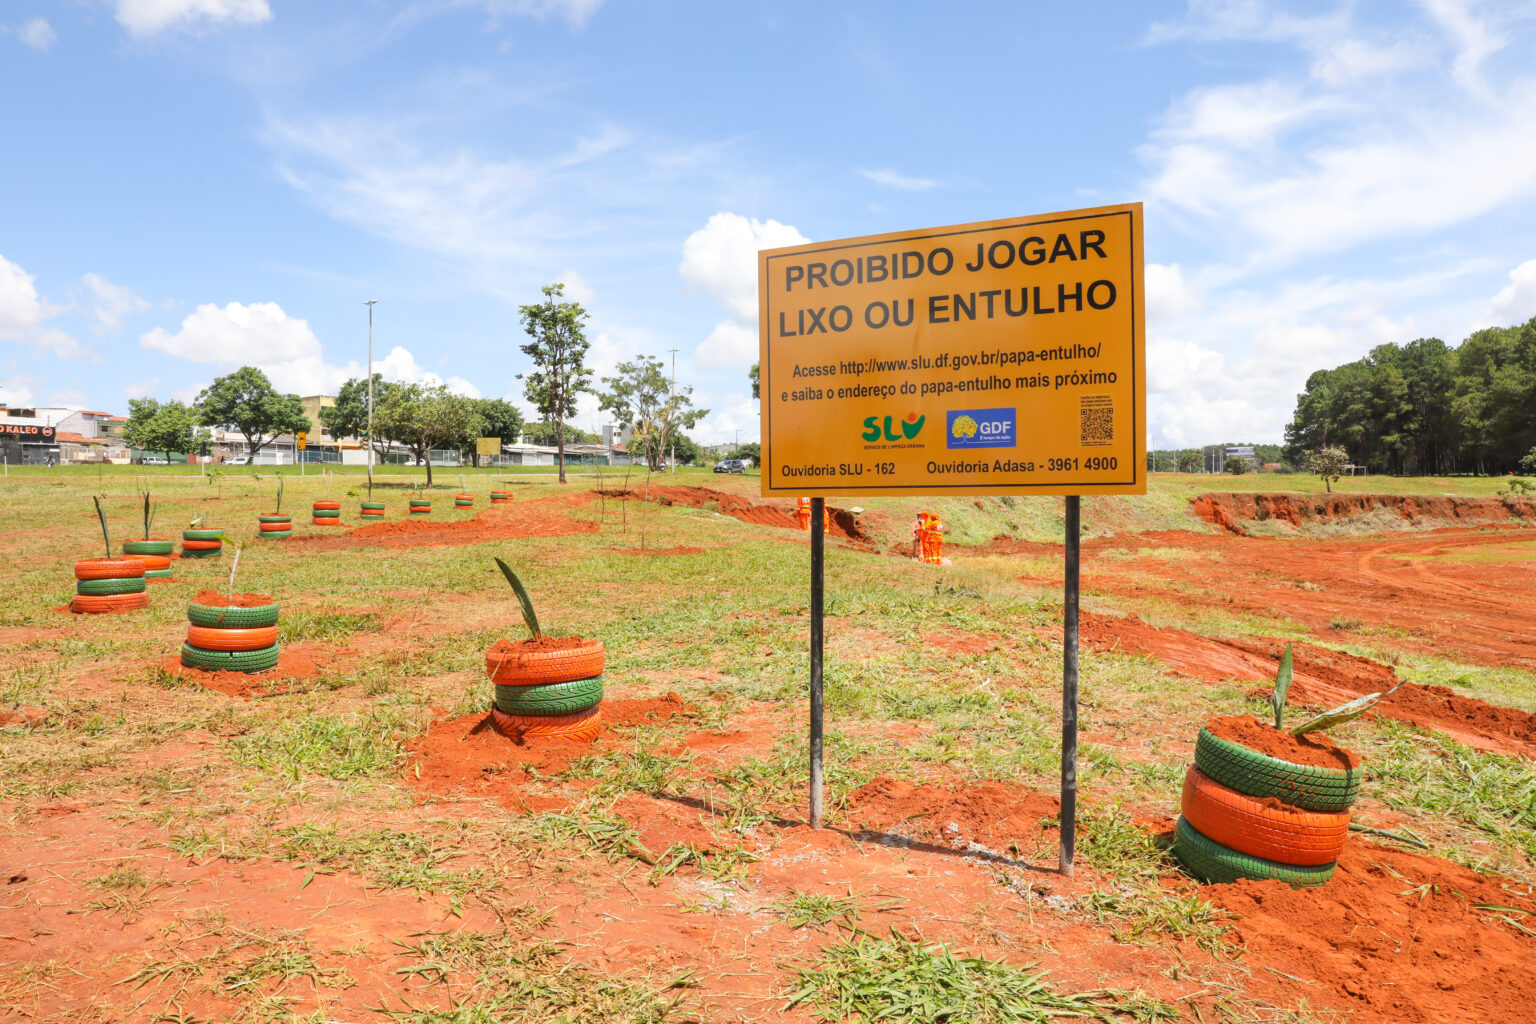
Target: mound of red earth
(844, 523)
(1230, 511)
(1322, 676)
(540, 517)
(1393, 938)
(1001, 817)
(466, 756)
(296, 663)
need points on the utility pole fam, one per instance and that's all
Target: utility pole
(672, 405)
(369, 303)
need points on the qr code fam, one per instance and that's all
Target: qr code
(1097, 420)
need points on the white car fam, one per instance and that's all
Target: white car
(238, 460)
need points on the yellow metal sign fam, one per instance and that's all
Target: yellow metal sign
(301, 437)
(488, 446)
(1005, 357)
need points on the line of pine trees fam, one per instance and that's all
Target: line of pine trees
(1425, 407)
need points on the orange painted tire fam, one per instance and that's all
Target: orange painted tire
(328, 504)
(582, 726)
(109, 568)
(210, 638)
(536, 667)
(274, 527)
(1262, 827)
(89, 605)
(152, 562)
(201, 545)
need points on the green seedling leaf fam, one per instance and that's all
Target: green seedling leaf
(233, 569)
(279, 509)
(1282, 686)
(101, 514)
(529, 616)
(1343, 713)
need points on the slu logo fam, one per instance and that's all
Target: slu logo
(911, 426)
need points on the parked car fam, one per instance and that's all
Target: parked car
(731, 466)
(238, 460)
(154, 460)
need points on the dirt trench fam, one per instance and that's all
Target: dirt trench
(1231, 511)
(844, 523)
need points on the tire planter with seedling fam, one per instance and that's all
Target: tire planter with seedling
(200, 542)
(231, 632)
(373, 511)
(275, 525)
(545, 687)
(327, 513)
(109, 584)
(463, 501)
(420, 506)
(156, 554)
(1260, 802)
(497, 497)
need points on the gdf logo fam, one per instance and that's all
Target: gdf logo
(876, 429)
(981, 428)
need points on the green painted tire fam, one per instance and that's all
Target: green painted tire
(374, 506)
(550, 698)
(423, 503)
(157, 574)
(326, 513)
(275, 534)
(1259, 775)
(229, 661)
(206, 553)
(275, 519)
(1210, 861)
(203, 534)
(97, 588)
(148, 547)
(218, 617)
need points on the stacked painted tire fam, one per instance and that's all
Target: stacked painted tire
(202, 543)
(463, 501)
(421, 506)
(500, 496)
(1250, 815)
(327, 513)
(275, 526)
(548, 694)
(231, 639)
(373, 511)
(109, 585)
(156, 555)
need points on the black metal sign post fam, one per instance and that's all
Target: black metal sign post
(1069, 690)
(818, 561)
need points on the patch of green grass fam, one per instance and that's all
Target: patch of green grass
(327, 627)
(279, 965)
(335, 746)
(904, 979)
(639, 771)
(392, 859)
(1150, 913)
(1114, 844)
(801, 908)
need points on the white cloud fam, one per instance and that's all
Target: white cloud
(1516, 301)
(576, 12)
(721, 258)
(890, 179)
(728, 413)
(576, 288)
(34, 32)
(147, 17)
(19, 391)
(731, 345)
(24, 314)
(114, 302)
(142, 388)
(1168, 297)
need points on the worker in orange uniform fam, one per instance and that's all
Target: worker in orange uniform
(803, 514)
(928, 538)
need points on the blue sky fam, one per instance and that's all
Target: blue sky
(191, 185)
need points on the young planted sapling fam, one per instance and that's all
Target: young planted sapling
(149, 511)
(229, 596)
(1346, 712)
(101, 514)
(530, 618)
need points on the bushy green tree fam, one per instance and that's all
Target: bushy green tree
(1237, 465)
(559, 352)
(161, 427)
(247, 401)
(642, 398)
(349, 416)
(752, 450)
(494, 417)
(1328, 463)
(1189, 460)
(752, 375)
(544, 433)
(421, 418)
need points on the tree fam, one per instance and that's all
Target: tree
(544, 433)
(246, 400)
(349, 416)
(1237, 465)
(1189, 460)
(752, 375)
(494, 417)
(642, 399)
(421, 418)
(558, 351)
(167, 428)
(1528, 462)
(1328, 463)
(752, 450)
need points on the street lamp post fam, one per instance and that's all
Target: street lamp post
(369, 303)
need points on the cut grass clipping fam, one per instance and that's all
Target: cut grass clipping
(904, 979)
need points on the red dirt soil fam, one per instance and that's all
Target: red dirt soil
(1315, 750)
(1322, 677)
(541, 517)
(844, 523)
(296, 663)
(1376, 944)
(512, 648)
(218, 599)
(467, 756)
(993, 814)
(1230, 511)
